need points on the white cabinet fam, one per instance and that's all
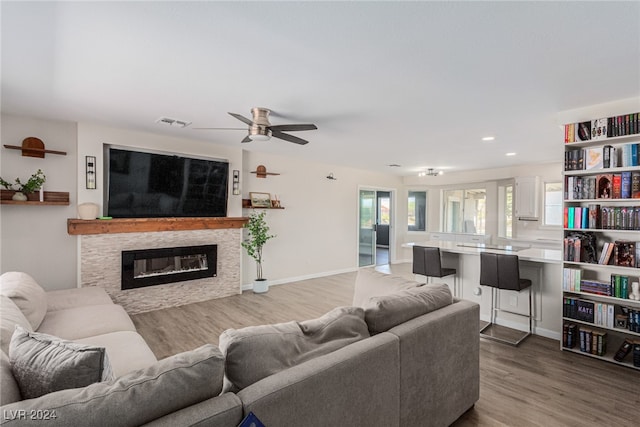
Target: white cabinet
(527, 197)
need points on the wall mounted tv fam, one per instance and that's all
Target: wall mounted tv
(152, 185)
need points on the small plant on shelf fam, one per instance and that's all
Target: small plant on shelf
(33, 183)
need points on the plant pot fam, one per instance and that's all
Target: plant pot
(20, 197)
(260, 286)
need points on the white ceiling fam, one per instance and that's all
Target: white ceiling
(417, 83)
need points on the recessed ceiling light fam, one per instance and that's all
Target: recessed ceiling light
(488, 138)
(510, 154)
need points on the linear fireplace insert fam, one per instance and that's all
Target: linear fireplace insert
(150, 267)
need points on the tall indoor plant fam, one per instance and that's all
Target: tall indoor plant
(258, 236)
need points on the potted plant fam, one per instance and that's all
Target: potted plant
(258, 236)
(22, 189)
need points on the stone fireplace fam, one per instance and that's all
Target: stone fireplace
(101, 256)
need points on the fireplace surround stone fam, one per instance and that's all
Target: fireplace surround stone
(100, 265)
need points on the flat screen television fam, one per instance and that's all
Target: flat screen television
(152, 185)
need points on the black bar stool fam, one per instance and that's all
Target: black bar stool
(427, 262)
(501, 271)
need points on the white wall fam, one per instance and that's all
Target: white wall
(92, 137)
(34, 239)
(317, 231)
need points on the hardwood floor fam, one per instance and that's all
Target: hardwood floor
(534, 384)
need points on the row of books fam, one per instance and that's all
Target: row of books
(601, 314)
(581, 248)
(624, 185)
(602, 218)
(618, 286)
(604, 157)
(626, 124)
(597, 313)
(590, 341)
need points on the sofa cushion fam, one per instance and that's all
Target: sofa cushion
(127, 351)
(26, 294)
(384, 312)
(136, 398)
(43, 363)
(256, 352)
(76, 297)
(83, 322)
(370, 283)
(9, 390)
(10, 316)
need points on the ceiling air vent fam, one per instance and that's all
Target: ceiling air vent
(173, 122)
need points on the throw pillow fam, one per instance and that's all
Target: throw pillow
(385, 312)
(11, 316)
(371, 283)
(26, 294)
(136, 398)
(256, 352)
(9, 390)
(43, 363)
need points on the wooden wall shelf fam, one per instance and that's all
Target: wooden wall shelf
(246, 204)
(139, 225)
(51, 198)
(33, 147)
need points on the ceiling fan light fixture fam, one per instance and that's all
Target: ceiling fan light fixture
(259, 137)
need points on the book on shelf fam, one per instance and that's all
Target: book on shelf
(570, 132)
(599, 129)
(616, 186)
(583, 131)
(594, 216)
(636, 354)
(624, 253)
(625, 348)
(625, 186)
(569, 335)
(593, 158)
(635, 185)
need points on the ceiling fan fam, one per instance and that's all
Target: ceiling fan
(260, 129)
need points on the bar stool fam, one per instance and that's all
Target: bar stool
(501, 271)
(427, 262)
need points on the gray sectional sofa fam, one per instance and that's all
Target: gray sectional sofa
(404, 355)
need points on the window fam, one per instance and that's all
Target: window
(465, 211)
(553, 204)
(505, 206)
(384, 209)
(417, 209)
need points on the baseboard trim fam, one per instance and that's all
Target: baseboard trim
(249, 286)
(524, 328)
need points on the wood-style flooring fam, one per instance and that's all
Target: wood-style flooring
(534, 384)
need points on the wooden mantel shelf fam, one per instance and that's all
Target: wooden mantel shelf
(140, 225)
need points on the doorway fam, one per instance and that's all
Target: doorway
(374, 229)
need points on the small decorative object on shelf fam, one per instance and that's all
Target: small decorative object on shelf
(261, 172)
(260, 200)
(34, 147)
(601, 262)
(275, 202)
(33, 183)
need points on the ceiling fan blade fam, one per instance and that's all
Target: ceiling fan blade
(293, 127)
(242, 119)
(246, 139)
(287, 137)
(220, 128)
